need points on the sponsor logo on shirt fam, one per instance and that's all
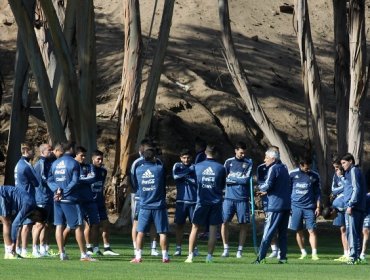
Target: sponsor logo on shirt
(209, 171)
(61, 165)
(147, 174)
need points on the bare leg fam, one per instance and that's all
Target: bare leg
(79, 233)
(300, 239)
(7, 225)
(179, 234)
(36, 231)
(313, 240)
(24, 235)
(225, 233)
(242, 234)
(134, 233)
(59, 238)
(212, 238)
(343, 237)
(365, 234)
(105, 231)
(193, 238)
(87, 233)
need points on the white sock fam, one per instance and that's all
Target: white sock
(154, 245)
(83, 255)
(314, 251)
(96, 249)
(303, 251)
(240, 248)
(35, 248)
(226, 247)
(178, 247)
(42, 249)
(47, 247)
(209, 256)
(8, 249)
(106, 245)
(346, 253)
(24, 251)
(274, 247)
(190, 255)
(164, 254)
(138, 254)
(134, 244)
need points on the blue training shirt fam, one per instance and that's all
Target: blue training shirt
(97, 186)
(64, 174)
(185, 180)
(278, 188)
(44, 195)
(20, 201)
(211, 179)
(238, 173)
(337, 186)
(306, 188)
(85, 192)
(150, 179)
(25, 176)
(354, 188)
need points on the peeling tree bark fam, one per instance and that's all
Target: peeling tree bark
(156, 69)
(312, 88)
(242, 84)
(359, 76)
(33, 53)
(341, 73)
(130, 87)
(85, 27)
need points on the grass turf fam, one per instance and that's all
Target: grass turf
(119, 267)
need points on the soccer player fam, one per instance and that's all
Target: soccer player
(135, 197)
(211, 179)
(44, 199)
(238, 171)
(278, 191)
(183, 173)
(88, 206)
(25, 178)
(97, 187)
(355, 201)
(24, 205)
(337, 195)
(150, 179)
(306, 192)
(65, 174)
(365, 229)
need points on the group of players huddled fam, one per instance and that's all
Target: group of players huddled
(63, 190)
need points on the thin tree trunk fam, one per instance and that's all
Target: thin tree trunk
(64, 59)
(61, 90)
(131, 81)
(20, 106)
(242, 85)
(358, 71)
(156, 69)
(312, 88)
(38, 69)
(341, 73)
(85, 27)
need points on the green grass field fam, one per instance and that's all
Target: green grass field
(222, 268)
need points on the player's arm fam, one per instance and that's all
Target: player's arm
(267, 185)
(51, 181)
(317, 195)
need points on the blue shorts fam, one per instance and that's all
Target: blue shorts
(302, 219)
(183, 211)
(339, 220)
(366, 223)
(157, 216)
(90, 212)
(49, 208)
(102, 212)
(232, 207)
(207, 214)
(67, 213)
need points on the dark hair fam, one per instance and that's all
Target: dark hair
(335, 159)
(185, 152)
(149, 154)
(305, 160)
(80, 150)
(212, 150)
(240, 145)
(97, 153)
(348, 157)
(68, 146)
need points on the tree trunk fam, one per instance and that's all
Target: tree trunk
(242, 85)
(341, 73)
(85, 27)
(156, 69)
(130, 87)
(38, 69)
(63, 55)
(20, 106)
(312, 88)
(358, 71)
